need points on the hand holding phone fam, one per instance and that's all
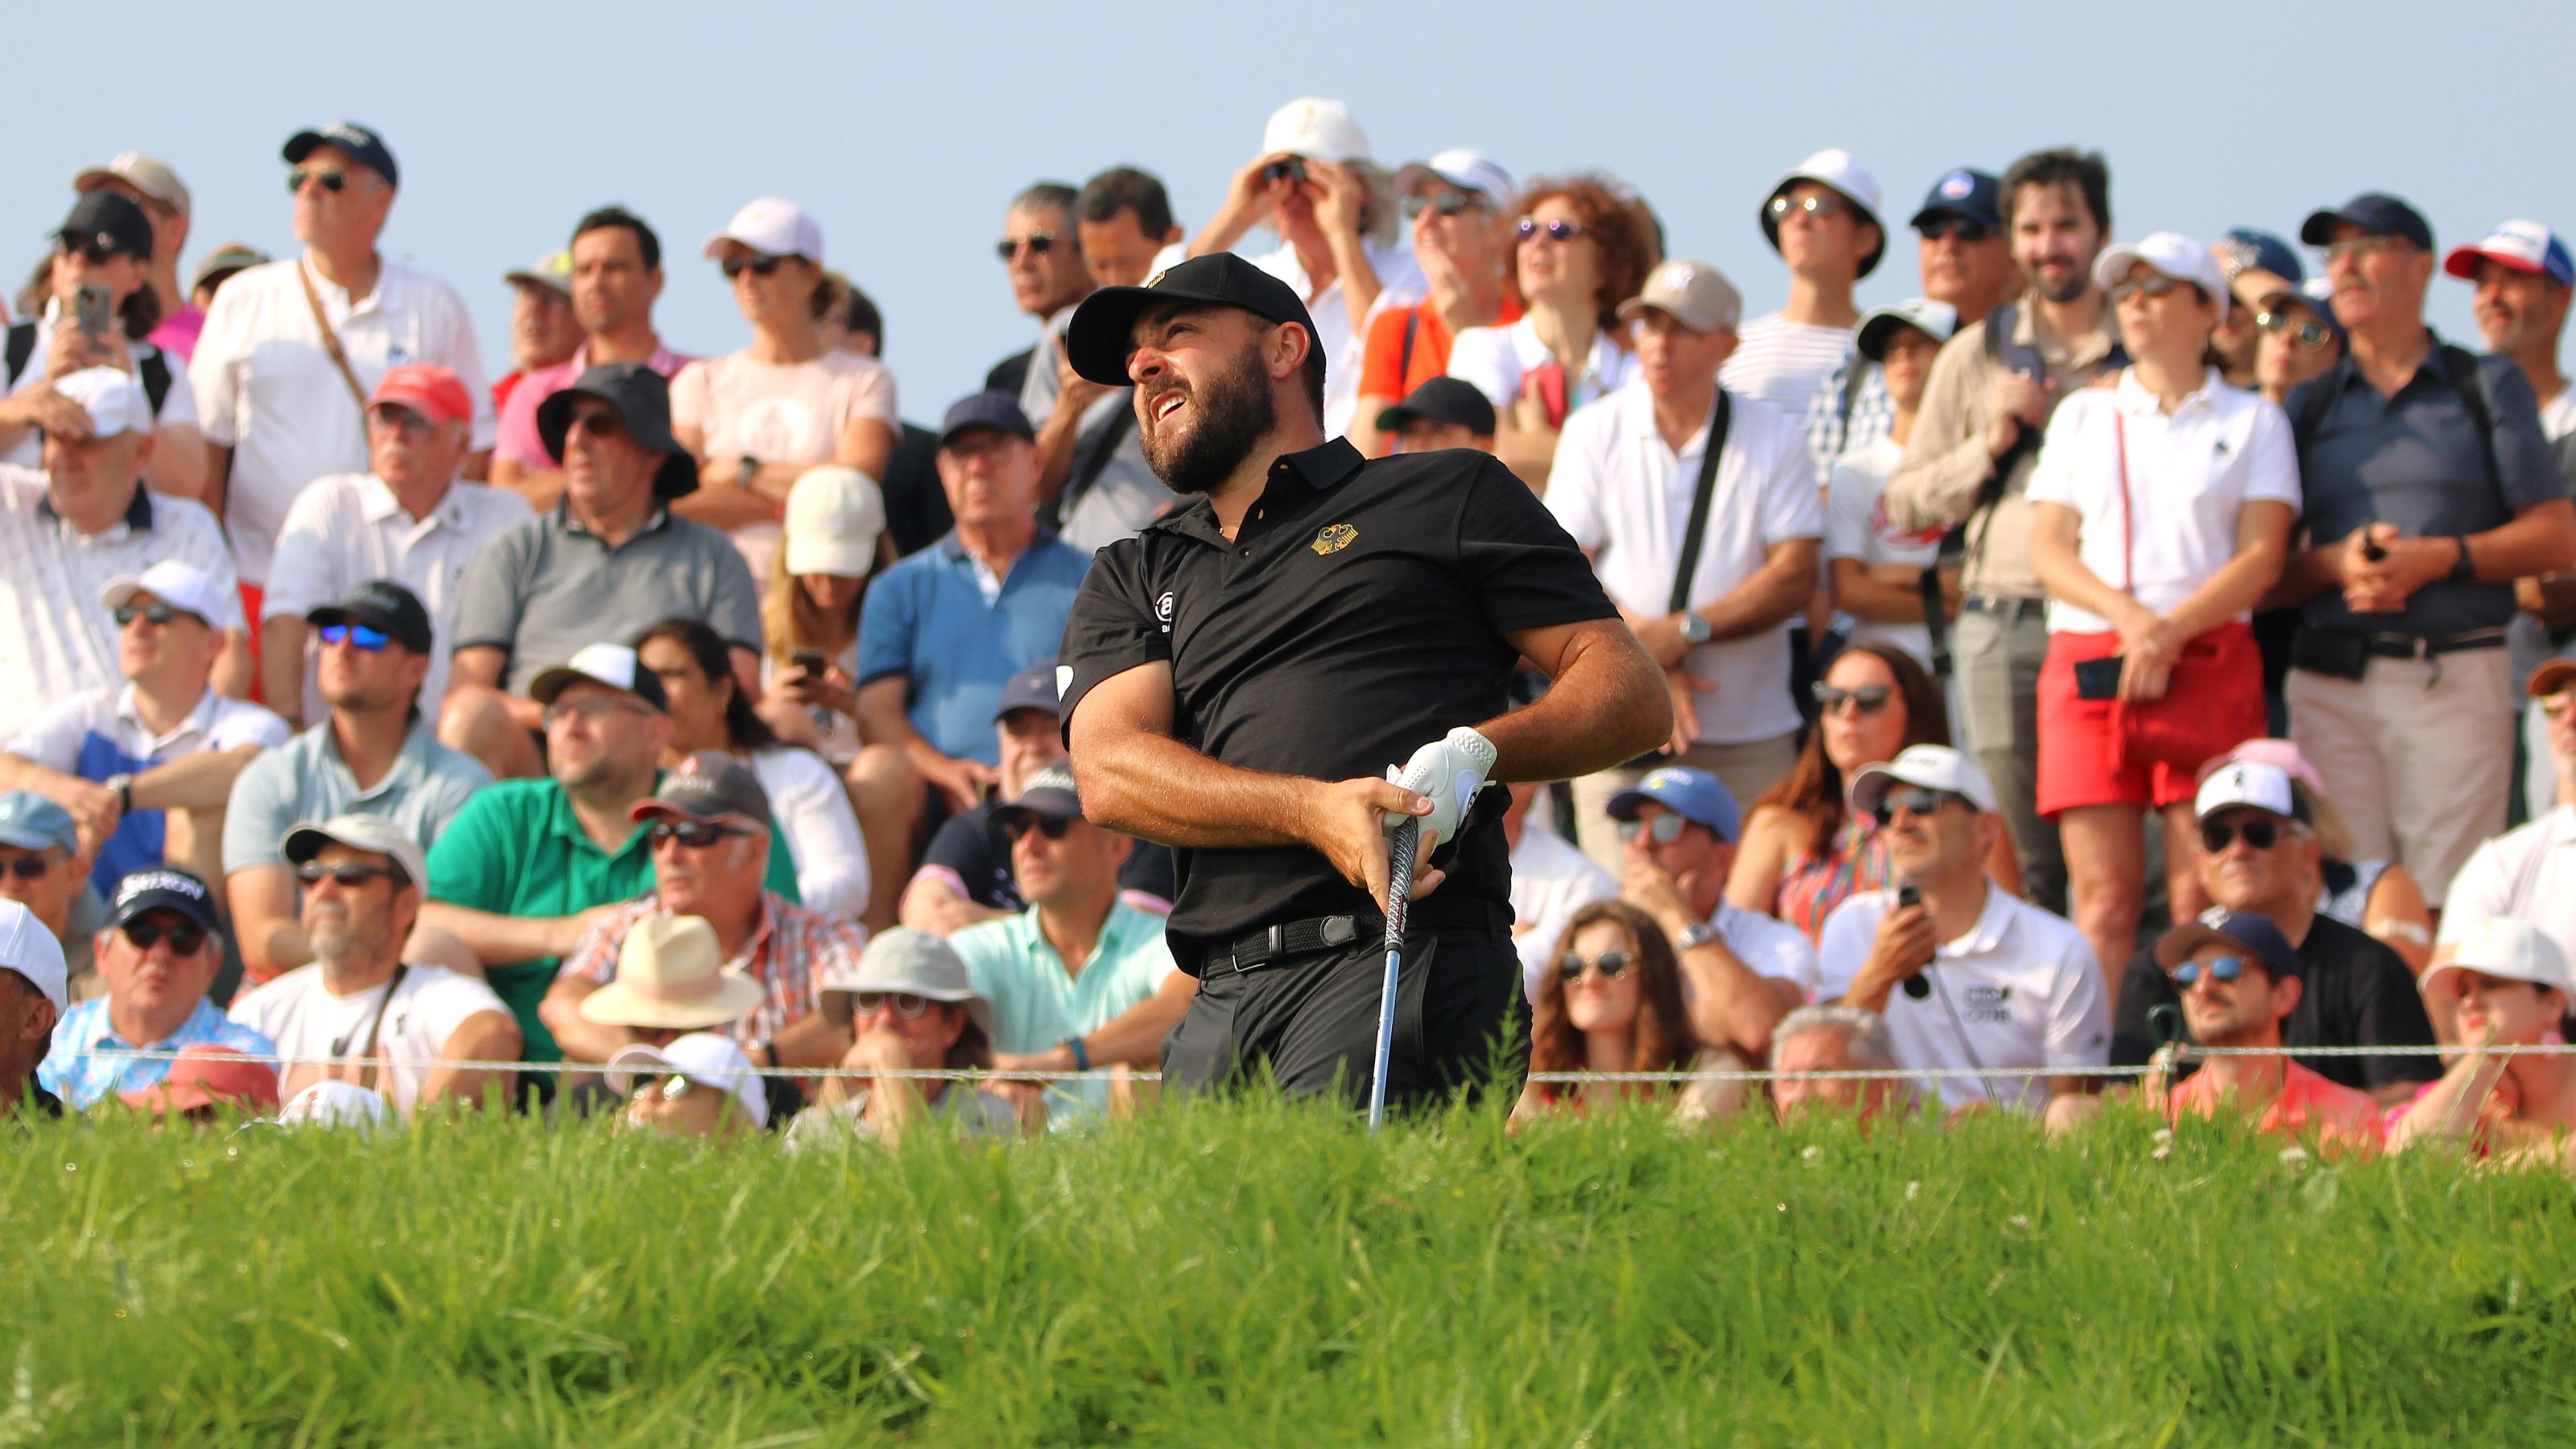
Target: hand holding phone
(94, 310)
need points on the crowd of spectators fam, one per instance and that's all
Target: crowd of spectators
(2115, 646)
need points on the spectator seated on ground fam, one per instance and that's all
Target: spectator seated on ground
(205, 1086)
(699, 1085)
(1836, 1038)
(2239, 978)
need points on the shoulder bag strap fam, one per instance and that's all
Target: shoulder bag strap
(2128, 536)
(330, 338)
(22, 347)
(1700, 499)
(367, 1078)
(2462, 365)
(1404, 353)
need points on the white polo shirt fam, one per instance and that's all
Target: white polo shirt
(348, 528)
(60, 638)
(1785, 363)
(1495, 359)
(1767, 947)
(1626, 497)
(2188, 476)
(2528, 873)
(178, 406)
(1551, 880)
(1400, 284)
(268, 389)
(2025, 987)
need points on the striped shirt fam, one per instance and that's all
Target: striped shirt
(794, 953)
(75, 1071)
(1786, 364)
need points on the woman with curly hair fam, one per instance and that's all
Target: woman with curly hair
(1579, 251)
(1612, 1002)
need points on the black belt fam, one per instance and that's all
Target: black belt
(1273, 944)
(2407, 646)
(2001, 607)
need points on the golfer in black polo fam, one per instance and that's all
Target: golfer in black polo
(1239, 678)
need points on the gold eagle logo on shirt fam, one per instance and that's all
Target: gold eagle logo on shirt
(1333, 538)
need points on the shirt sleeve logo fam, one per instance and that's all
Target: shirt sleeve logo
(1333, 538)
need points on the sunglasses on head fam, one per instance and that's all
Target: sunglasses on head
(2148, 286)
(348, 877)
(1915, 801)
(2310, 334)
(2225, 971)
(332, 181)
(1039, 243)
(696, 836)
(1559, 231)
(184, 940)
(1820, 204)
(1666, 829)
(902, 1003)
(1446, 203)
(1868, 699)
(756, 264)
(358, 636)
(155, 612)
(1052, 827)
(1957, 226)
(2260, 834)
(1611, 964)
(27, 867)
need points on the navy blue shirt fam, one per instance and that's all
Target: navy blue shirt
(2416, 460)
(927, 619)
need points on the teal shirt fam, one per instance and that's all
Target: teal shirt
(1037, 1003)
(516, 849)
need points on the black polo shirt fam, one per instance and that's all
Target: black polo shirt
(2355, 991)
(1360, 614)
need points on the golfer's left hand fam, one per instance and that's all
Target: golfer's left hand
(1346, 820)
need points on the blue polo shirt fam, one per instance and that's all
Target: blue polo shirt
(2415, 459)
(928, 619)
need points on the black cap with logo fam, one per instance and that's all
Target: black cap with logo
(2375, 212)
(110, 221)
(384, 606)
(362, 144)
(163, 888)
(1102, 333)
(1449, 400)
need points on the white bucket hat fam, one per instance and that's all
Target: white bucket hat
(670, 975)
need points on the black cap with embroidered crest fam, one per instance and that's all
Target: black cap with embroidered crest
(1102, 333)
(361, 144)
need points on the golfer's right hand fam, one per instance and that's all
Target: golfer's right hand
(1346, 820)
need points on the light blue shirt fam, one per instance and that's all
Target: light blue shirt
(1038, 1003)
(929, 619)
(75, 1071)
(305, 779)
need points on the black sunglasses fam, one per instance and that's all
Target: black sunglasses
(28, 867)
(155, 612)
(2260, 834)
(694, 835)
(1917, 801)
(333, 181)
(348, 876)
(2224, 970)
(1016, 825)
(758, 266)
(1611, 964)
(184, 940)
(1965, 230)
(95, 252)
(1039, 244)
(1447, 203)
(1868, 699)
(2148, 286)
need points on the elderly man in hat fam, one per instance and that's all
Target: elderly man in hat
(608, 562)
(159, 957)
(204, 1084)
(709, 829)
(914, 1007)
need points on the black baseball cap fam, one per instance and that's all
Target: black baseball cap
(1031, 688)
(996, 410)
(1969, 195)
(363, 145)
(111, 221)
(1050, 794)
(384, 606)
(705, 787)
(2373, 211)
(1443, 400)
(1103, 329)
(643, 403)
(163, 888)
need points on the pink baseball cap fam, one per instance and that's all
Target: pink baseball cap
(428, 389)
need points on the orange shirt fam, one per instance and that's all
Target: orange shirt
(2308, 1102)
(1387, 372)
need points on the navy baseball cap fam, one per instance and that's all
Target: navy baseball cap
(1443, 400)
(1102, 333)
(2317, 295)
(384, 606)
(29, 821)
(1031, 688)
(162, 888)
(1050, 794)
(2221, 927)
(111, 221)
(2375, 212)
(1967, 194)
(363, 145)
(1694, 795)
(2247, 246)
(996, 410)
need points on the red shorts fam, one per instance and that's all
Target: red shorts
(2092, 752)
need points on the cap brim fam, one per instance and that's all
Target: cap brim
(1102, 333)
(418, 402)
(1964, 213)
(2178, 943)
(11, 834)
(676, 478)
(531, 279)
(654, 807)
(2550, 678)
(2318, 229)
(2463, 263)
(554, 681)
(1394, 418)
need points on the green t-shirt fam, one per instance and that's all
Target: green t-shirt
(516, 849)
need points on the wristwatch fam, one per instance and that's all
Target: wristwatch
(1695, 630)
(123, 785)
(2464, 569)
(750, 467)
(1697, 933)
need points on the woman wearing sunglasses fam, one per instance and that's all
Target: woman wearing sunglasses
(2296, 337)
(2161, 509)
(913, 1008)
(758, 418)
(1580, 252)
(1613, 1003)
(1453, 203)
(2510, 984)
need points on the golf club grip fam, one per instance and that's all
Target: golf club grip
(1399, 878)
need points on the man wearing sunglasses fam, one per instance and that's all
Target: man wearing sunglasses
(361, 878)
(158, 956)
(2259, 855)
(1968, 975)
(712, 839)
(2239, 979)
(291, 347)
(1822, 220)
(148, 766)
(41, 868)
(1081, 978)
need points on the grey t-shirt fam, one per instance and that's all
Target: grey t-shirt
(304, 779)
(547, 587)
(2416, 460)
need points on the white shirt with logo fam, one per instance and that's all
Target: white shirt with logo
(299, 1013)
(1400, 284)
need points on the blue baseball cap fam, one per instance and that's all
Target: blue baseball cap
(996, 410)
(2222, 927)
(2317, 295)
(29, 821)
(1967, 194)
(1694, 795)
(2375, 212)
(363, 145)
(2245, 247)
(1031, 688)
(2523, 246)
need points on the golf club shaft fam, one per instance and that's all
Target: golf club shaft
(1399, 886)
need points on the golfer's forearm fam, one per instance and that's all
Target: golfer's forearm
(1777, 592)
(1606, 706)
(1157, 788)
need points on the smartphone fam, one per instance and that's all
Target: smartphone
(2097, 679)
(1908, 895)
(95, 309)
(813, 661)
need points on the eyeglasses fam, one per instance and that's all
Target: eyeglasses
(2311, 335)
(2358, 248)
(1611, 964)
(694, 835)
(1917, 802)
(332, 181)
(671, 1088)
(155, 612)
(2148, 286)
(1822, 203)
(1021, 823)
(589, 711)
(1666, 829)
(1868, 699)
(905, 1004)
(1557, 231)
(357, 636)
(347, 877)
(2259, 834)
(757, 265)
(1039, 243)
(2225, 970)
(1446, 203)
(27, 867)
(401, 421)
(1965, 230)
(184, 940)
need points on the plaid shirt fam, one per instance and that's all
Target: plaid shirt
(74, 1071)
(1830, 434)
(792, 953)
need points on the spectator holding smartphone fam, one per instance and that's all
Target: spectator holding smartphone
(2161, 512)
(1580, 254)
(809, 611)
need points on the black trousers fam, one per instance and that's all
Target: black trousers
(1461, 1022)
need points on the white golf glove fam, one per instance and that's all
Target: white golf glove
(1450, 771)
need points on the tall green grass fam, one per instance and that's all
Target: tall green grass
(1245, 1274)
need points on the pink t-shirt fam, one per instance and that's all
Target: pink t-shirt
(517, 438)
(177, 335)
(779, 414)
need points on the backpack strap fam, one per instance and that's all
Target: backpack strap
(2462, 365)
(153, 370)
(1404, 353)
(22, 347)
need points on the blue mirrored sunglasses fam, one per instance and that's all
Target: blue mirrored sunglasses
(2225, 970)
(371, 640)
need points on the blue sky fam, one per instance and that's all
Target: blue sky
(906, 129)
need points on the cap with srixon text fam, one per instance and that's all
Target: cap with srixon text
(1103, 330)
(163, 888)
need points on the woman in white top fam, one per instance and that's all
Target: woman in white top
(809, 610)
(806, 797)
(758, 418)
(2161, 512)
(1581, 252)
(1876, 572)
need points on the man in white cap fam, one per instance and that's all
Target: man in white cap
(362, 881)
(1630, 473)
(1822, 219)
(87, 519)
(292, 348)
(147, 766)
(1341, 250)
(1987, 981)
(149, 182)
(33, 996)
(1455, 205)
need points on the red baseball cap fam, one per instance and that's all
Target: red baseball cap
(428, 389)
(206, 1076)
